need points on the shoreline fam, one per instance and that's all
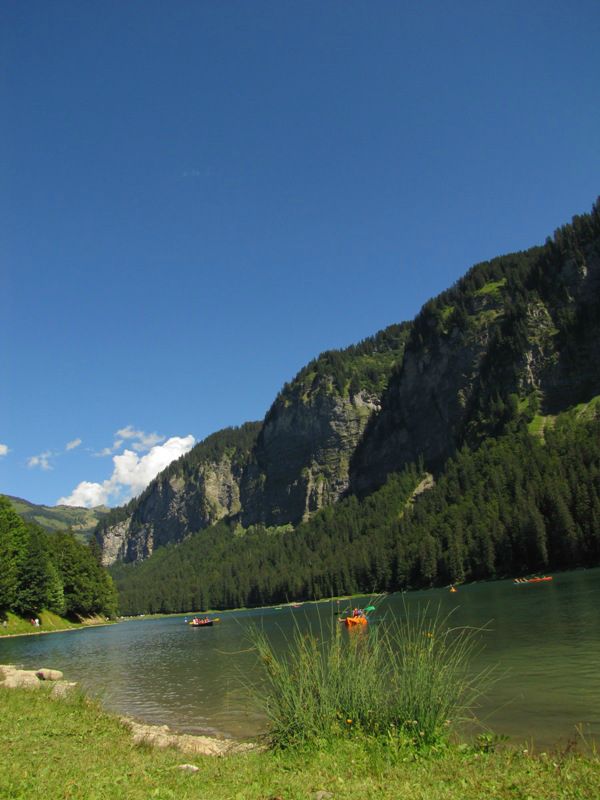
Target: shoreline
(57, 630)
(75, 627)
(74, 743)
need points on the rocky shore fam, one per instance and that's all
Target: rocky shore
(12, 677)
(161, 736)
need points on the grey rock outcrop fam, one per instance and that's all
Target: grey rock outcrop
(299, 464)
(20, 679)
(302, 457)
(428, 400)
(172, 509)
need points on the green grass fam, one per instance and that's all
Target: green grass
(17, 626)
(70, 750)
(539, 423)
(406, 680)
(491, 288)
(582, 412)
(585, 411)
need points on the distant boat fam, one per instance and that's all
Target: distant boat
(203, 623)
(520, 581)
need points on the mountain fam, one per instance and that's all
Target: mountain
(512, 341)
(82, 521)
(276, 472)
(516, 336)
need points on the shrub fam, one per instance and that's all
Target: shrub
(406, 678)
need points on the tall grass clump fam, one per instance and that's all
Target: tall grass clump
(406, 679)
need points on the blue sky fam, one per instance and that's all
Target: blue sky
(200, 196)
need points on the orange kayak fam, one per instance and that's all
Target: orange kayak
(355, 622)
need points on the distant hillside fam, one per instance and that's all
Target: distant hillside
(82, 521)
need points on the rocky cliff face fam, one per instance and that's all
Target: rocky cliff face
(172, 509)
(429, 398)
(302, 457)
(191, 494)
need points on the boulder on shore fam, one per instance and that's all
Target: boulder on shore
(45, 674)
(12, 677)
(21, 679)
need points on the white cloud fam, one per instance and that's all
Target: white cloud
(136, 472)
(73, 444)
(131, 472)
(42, 460)
(4, 449)
(108, 451)
(144, 441)
(140, 441)
(87, 494)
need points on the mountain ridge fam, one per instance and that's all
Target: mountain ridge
(82, 521)
(515, 336)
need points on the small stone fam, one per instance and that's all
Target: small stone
(323, 795)
(188, 768)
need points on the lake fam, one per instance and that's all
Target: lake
(544, 640)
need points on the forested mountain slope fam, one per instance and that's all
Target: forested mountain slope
(515, 338)
(516, 335)
(516, 504)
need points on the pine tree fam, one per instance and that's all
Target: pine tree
(13, 541)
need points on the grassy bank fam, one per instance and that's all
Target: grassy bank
(18, 626)
(55, 749)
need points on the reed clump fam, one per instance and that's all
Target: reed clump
(407, 680)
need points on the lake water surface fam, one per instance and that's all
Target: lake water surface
(544, 640)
